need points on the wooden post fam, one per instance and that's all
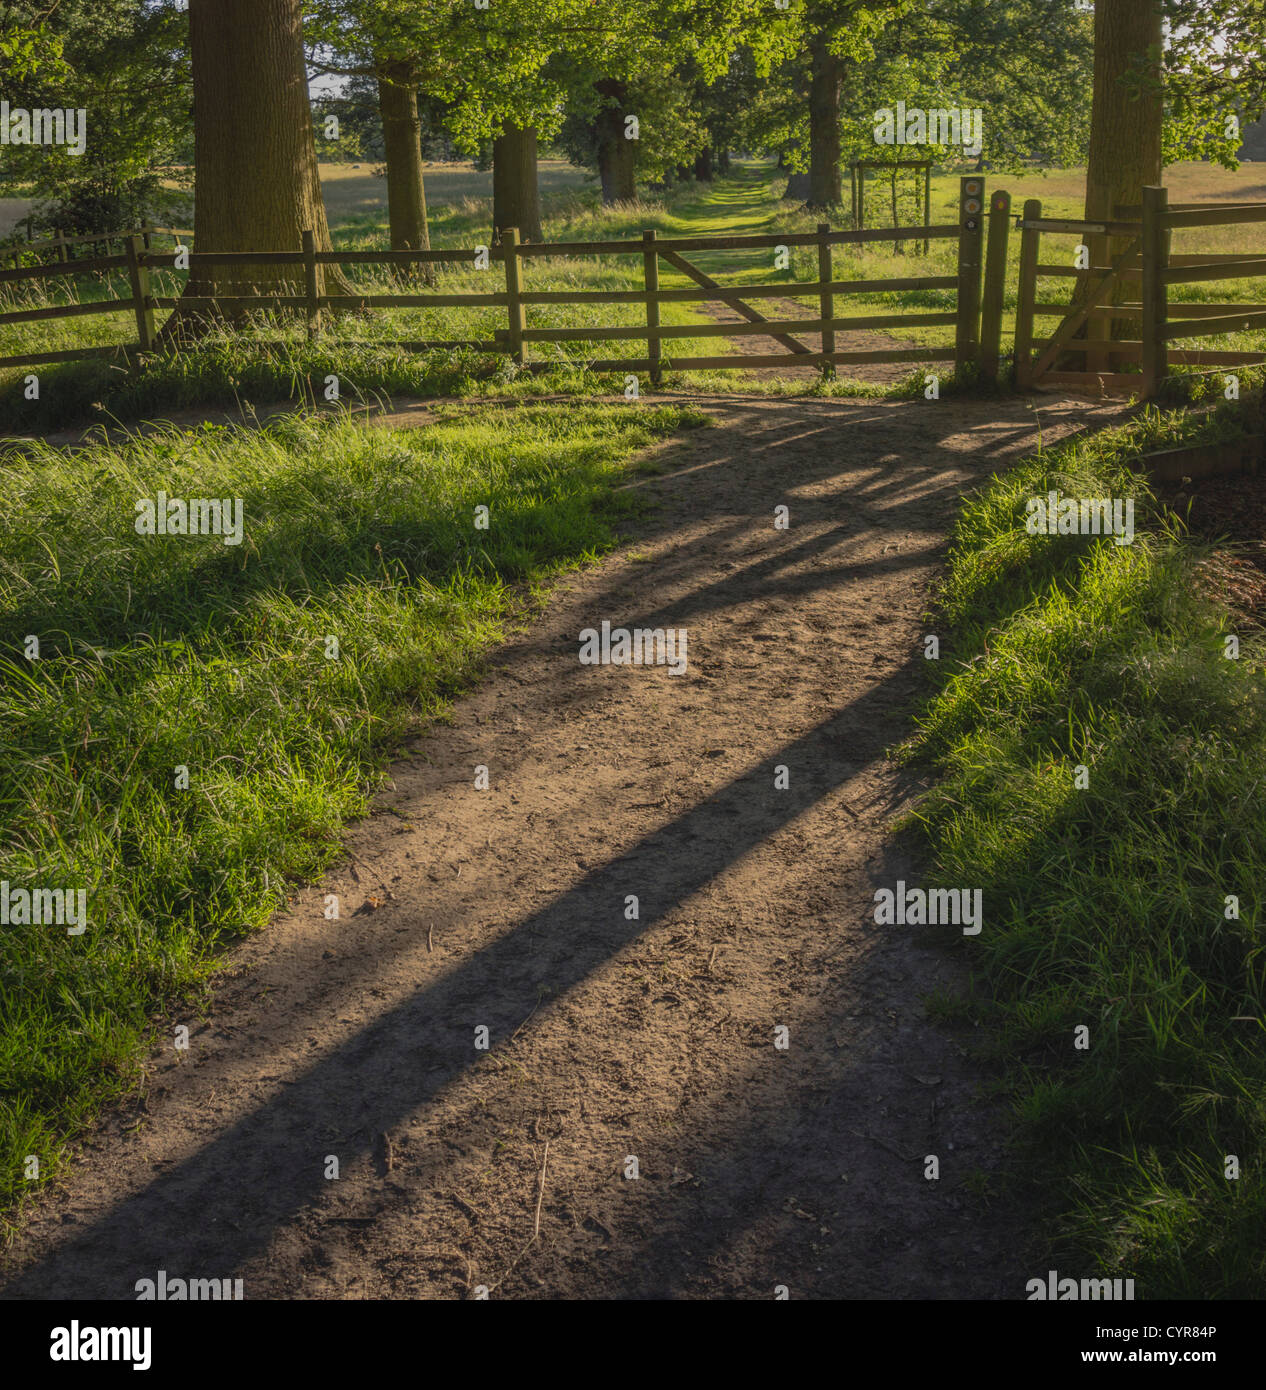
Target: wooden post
(1154, 290)
(63, 254)
(310, 284)
(927, 202)
(995, 284)
(861, 197)
(145, 232)
(826, 300)
(1026, 293)
(650, 271)
(971, 215)
(852, 194)
(514, 292)
(138, 273)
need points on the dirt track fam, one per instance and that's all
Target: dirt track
(610, 1037)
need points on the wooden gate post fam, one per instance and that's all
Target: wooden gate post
(1025, 296)
(1155, 291)
(826, 300)
(310, 284)
(514, 293)
(995, 284)
(650, 273)
(138, 273)
(971, 215)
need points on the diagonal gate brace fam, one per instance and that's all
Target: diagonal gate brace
(730, 298)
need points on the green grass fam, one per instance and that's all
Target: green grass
(162, 652)
(1106, 907)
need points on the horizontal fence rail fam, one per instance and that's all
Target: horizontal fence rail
(141, 260)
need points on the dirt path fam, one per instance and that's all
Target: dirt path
(611, 1037)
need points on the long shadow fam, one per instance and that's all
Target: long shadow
(269, 1167)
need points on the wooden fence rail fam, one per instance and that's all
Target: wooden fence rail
(140, 261)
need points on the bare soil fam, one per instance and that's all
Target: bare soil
(612, 1038)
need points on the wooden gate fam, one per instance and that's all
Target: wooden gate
(1147, 261)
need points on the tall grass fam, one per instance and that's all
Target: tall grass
(1133, 907)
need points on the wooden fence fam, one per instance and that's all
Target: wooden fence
(516, 299)
(1146, 261)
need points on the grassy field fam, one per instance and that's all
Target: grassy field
(160, 652)
(1112, 907)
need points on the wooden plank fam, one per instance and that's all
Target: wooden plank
(1132, 380)
(1175, 311)
(1126, 346)
(826, 300)
(1195, 357)
(233, 301)
(68, 311)
(1059, 226)
(1154, 294)
(1216, 217)
(205, 258)
(356, 257)
(995, 284)
(772, 328)
(514, 288)
(731, 298)
(790, 289)
(49, 272)
(1226, 270)
(412, 301)
(1226, 323)
(650, 285)
(734, 243)
(970, 259)
(141, 301)
(37, 359)
(1030, 243)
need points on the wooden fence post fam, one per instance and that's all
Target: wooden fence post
(826, 300)
(1155, 291)
(927, 203)
(310, 284)
(145, 232)
(995, 284)
(138, 273)
(650, 270)
(63, 253)
(1026, 294)
(971, 211)
(514, 293)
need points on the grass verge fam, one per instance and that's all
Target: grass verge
(1132, 908)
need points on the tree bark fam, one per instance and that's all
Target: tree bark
(1125, 132)
(615, 153)
(402, 144)
(797, 190)
(516, 197)
(723, 162)
(703, 166)
(257, 186)
(824, 126)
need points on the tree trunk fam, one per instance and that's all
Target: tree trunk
(824, 126)
(703, 166)
(402, 144)
(615, 153)
(723, 162)
(257, 186)
(797, 190)
(516, 198)
(1125, 133)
